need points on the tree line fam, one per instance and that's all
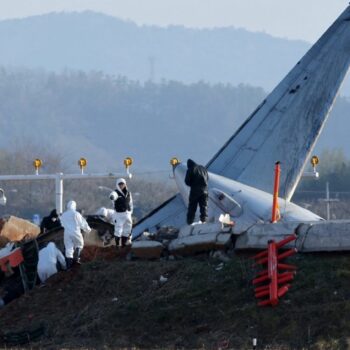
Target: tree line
(61, 117)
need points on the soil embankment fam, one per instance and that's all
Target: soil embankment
(111, 303)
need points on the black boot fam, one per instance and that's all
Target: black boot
(76, 259)
(69, 263)
(124, 240)
(117, 242)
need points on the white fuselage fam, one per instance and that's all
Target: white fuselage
(245, 204)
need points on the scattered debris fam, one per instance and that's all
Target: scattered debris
(13, 229)
(220, 255)
(200, 238)
(162, 279)
(219, 267)
(147, 249)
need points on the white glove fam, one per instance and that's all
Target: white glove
(113, 196)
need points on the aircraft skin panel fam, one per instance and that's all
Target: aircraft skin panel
(171, 213)
(292, 117)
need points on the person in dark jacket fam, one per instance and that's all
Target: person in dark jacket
(197, 179)
(50, 222)
(123, 206)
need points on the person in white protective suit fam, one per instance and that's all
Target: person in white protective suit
(106, 215)
(48, 258)
(73, 222)
(123, 206)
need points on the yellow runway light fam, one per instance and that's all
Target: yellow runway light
(314, 161)
(37, 163)
(82, 162)
(128, 162)
(174, 161)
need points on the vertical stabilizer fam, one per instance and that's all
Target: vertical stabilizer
(288, 122)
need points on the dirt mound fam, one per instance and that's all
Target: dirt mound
(197, 303)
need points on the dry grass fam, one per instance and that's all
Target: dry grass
(114, 304)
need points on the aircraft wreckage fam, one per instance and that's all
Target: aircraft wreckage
(284, 128)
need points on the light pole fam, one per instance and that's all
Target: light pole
(3, 199)
(59, 177)
(328, 201)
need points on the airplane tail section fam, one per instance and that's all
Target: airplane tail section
(283, 128)
(288, 122)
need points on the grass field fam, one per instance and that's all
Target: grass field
(111, 303)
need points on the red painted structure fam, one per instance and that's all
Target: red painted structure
(13, 259)
(275, 274)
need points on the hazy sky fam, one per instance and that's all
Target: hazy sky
(295, 19)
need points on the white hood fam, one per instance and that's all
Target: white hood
(120, 180)
(72, 205)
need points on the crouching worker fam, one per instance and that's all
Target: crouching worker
(123, 209)
(106, 215)
(49, 257)
(73, 222)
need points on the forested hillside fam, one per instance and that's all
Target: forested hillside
(62, 117)
(105, 118)
(91, 41)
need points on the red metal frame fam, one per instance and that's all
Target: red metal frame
(276, 285)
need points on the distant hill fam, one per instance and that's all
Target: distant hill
(105, 118)
(91, 41)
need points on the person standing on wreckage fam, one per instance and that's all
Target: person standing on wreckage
(73, 222)
(197, 179)
(123, 206)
